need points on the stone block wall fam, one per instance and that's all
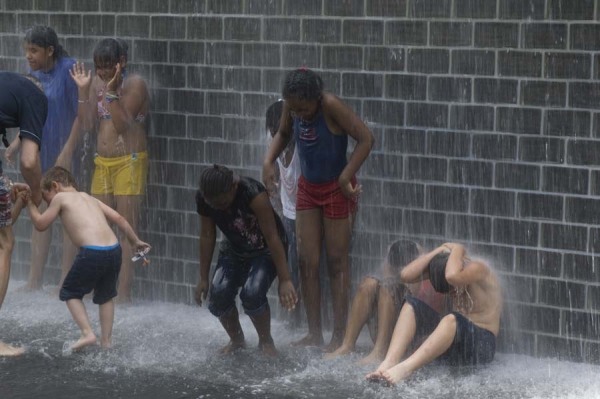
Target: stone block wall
(486, 115)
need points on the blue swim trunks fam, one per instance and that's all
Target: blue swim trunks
(94, 268)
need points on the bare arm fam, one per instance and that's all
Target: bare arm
(351, 124)
(417, 269)
(86, 103)
(114, 217)
(42, 221)
(266, 220)
(280, 141)
(66, 155)
(208, 238)
(458, 275)
(123, 110)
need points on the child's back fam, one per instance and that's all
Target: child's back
(84, 220)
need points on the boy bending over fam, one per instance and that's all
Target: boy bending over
(465, 336)
(98, 262)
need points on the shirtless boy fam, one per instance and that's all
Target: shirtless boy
(97, 265)
(467, 335)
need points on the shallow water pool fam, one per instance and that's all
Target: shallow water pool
(169, 351)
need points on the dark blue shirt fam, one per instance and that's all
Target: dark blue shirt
(22, 105)
(322, 153)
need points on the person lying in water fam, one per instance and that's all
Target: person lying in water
(97, 265)
(378, 301)
(466, 336)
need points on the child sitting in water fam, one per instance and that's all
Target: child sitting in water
(252, 254)
(465, 336)
(97, 265)
(378, 301)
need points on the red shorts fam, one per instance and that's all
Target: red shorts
(327, 196)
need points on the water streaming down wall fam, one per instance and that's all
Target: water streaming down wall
(484, 111)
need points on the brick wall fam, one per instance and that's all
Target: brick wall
(485, 114)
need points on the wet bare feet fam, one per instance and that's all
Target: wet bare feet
(376, 375)
(371, 358)
(336, 342)
(232, 347)
(341, 351)
(268, 348)
(309, 340)
(85, 340)
(395, 374)
(30, 287)
(122, 300)
(9, 350)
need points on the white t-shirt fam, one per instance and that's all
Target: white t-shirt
(288, 182)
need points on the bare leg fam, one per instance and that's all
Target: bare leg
(337, 242)
(434, 346)
(231, 323)
(387, 313)
(31, 168)
(129, 207)
(77, 309)
(262, 323)
(308, 234)
(7, 242)
(360, 311)
(107, 316)
(40, 246)
(404, 333)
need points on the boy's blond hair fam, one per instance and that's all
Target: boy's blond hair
(60, 175)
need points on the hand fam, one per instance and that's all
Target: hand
(115, 83)
(10, 152)
(82, 78)
(141, 246)
(201, 291)
(268, 177)
(20, 190)
(287, 295)
(349, 191)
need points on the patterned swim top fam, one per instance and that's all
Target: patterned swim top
(104, 113)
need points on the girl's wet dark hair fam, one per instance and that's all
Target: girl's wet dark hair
(215, 181)
(108, 52)
(402, 252)
(437, 272)
(45, 36)
(302, 84)
(273, 116)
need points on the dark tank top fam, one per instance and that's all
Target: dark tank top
(322, 153)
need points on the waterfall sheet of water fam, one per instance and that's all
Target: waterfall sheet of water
(164, 350)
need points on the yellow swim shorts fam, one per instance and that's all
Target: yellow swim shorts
(124, 175)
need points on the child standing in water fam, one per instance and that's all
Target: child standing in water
(288, 166)
(119, 102)
(50, 64)
(97, 264)
(320, 124)
(251, 255)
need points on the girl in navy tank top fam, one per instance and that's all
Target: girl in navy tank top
(326, 202)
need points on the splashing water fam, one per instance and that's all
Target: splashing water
(164, 350)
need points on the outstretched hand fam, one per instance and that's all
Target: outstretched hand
(82, 78)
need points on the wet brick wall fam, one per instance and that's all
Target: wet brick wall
(485, 113)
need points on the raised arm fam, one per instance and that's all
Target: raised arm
(280, 141)
(86, 104)
(459, 275)
(351, 124)
(266, 220)
(417, 269)
(123, 109)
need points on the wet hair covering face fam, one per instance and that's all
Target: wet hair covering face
(402, 252)
(437, 273)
